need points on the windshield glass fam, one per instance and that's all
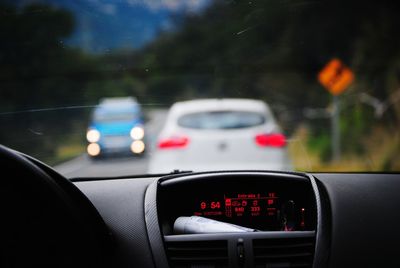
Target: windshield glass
(327, 73)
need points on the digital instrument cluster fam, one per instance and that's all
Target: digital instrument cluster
(263, 210)
(254, 202)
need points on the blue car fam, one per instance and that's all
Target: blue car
(116, 127)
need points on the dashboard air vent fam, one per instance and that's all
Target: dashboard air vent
(197, 253)
(284, 252)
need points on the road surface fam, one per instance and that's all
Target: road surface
(82, 166)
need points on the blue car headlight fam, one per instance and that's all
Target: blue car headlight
(137, 133)
(93, 135)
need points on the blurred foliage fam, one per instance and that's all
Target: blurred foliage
(33, 62)
(264, 49)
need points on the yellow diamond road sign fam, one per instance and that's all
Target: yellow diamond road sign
(336, 77)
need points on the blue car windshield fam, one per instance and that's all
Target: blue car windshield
(114, 117)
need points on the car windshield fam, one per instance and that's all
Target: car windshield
(114, 116)
(294, 85)
(221, 120)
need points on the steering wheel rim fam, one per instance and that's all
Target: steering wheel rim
(47, 221)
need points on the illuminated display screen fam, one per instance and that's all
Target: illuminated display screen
(256, 210)
(240, 205)
(257, 204)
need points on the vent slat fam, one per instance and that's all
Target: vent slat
(195, 249)
(284, 246)
(198, 258)
(283, 241)
(274, 256)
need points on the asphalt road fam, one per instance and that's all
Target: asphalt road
(82, 166)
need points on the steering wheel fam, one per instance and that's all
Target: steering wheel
(46, 221)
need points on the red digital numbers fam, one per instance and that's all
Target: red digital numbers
(240, 209)
(242, 204)
(215, 205)
(255, 209)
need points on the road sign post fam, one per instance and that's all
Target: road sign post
(336, 78)
(335, 123)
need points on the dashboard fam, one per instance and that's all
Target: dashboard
(283, 219)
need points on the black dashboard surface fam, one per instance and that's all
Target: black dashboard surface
(121, 204)
(359, 219)
(364, 213)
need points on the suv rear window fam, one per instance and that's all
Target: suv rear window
(221, 120)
